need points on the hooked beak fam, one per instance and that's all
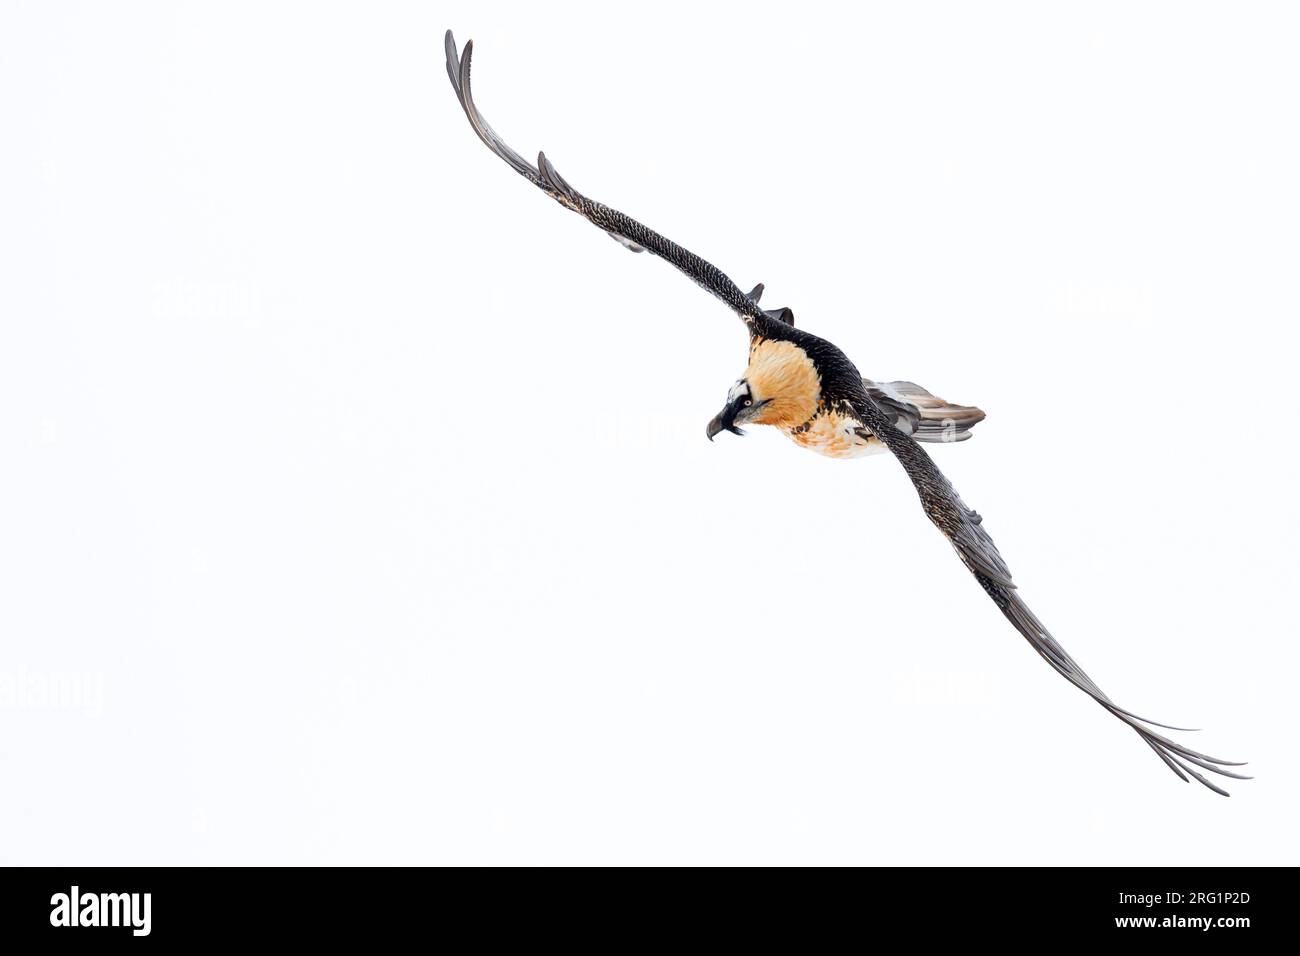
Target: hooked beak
(725, 420)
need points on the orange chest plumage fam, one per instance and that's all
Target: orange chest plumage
(836, 435)
(782, 374)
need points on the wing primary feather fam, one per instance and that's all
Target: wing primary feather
(1172, 766)
(458, 69)
(553, 179)
(1207, 783)
(1219, 770)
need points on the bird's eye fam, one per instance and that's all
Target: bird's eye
(748, 402)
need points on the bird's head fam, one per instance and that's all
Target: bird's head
(742, 406)
(781, 387)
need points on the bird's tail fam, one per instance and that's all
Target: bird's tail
(931, 418)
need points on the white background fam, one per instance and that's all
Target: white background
(356, 505)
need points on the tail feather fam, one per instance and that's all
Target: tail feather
(925, 416)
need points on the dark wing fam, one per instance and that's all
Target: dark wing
(964, 528)
(626, 230)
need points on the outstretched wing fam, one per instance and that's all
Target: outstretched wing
(964, 528)
(625, 229)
